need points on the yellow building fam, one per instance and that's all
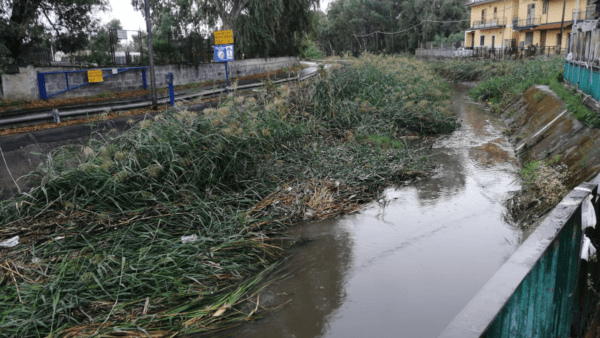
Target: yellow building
(524, 23)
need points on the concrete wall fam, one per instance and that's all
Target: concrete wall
(21, 86)
(24, 86)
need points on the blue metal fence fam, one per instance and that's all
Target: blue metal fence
(534, 294)
(41, 77)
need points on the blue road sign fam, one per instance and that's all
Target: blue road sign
(224, 53)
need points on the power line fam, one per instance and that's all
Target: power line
(405, 30)
(424, 21)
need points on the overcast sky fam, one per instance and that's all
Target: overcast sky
(130, 19)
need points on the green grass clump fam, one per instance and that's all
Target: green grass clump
(523, 75)
(101, 235)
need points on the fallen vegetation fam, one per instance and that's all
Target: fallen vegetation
(544, 186)
(170, 226)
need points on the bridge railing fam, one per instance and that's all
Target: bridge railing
(534, 294)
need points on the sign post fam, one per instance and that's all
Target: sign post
(224, 49)
(150, 54)
(169, 80)
(224, 54)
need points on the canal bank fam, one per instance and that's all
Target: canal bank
(406, 265)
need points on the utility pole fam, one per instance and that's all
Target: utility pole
(503, 29)
(151, 55)
(562, 26)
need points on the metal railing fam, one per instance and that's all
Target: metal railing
(41, 77)
(487, 52)
(587, 13)
(528, 22)
(535, 292)
(489, 23)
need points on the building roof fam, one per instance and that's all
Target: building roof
(552, 26)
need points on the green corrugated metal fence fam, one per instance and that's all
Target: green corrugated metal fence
(584, 76)
(535, 293)
(542, 305)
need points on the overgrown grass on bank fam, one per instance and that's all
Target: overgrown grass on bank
(502, 81)
(101, 236)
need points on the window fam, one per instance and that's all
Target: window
(559, 39)
(529, 39)
(531, 10)
(483, 16)
(482, 40)
(546, 5)
(495, 12)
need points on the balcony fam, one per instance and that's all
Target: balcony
(587, 13)
(488, 23)
(530, 22)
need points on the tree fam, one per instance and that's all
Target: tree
(229, 11)
(261, 27)
(352, 25)
(29, 23)
(417, 17)
(273, 27)
(99, 44)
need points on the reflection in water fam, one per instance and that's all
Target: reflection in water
(406, 267)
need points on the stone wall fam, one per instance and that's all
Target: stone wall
(24, 86)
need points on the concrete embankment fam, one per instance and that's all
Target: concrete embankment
(542, 128)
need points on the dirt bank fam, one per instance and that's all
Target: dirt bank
(547, 137)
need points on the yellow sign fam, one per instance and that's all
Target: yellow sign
(95, 76)
(223, 37)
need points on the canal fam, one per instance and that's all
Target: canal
(406, 265)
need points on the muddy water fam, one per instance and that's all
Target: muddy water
(407, 266)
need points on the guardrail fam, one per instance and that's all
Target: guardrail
(534, 294)
(10, 119)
